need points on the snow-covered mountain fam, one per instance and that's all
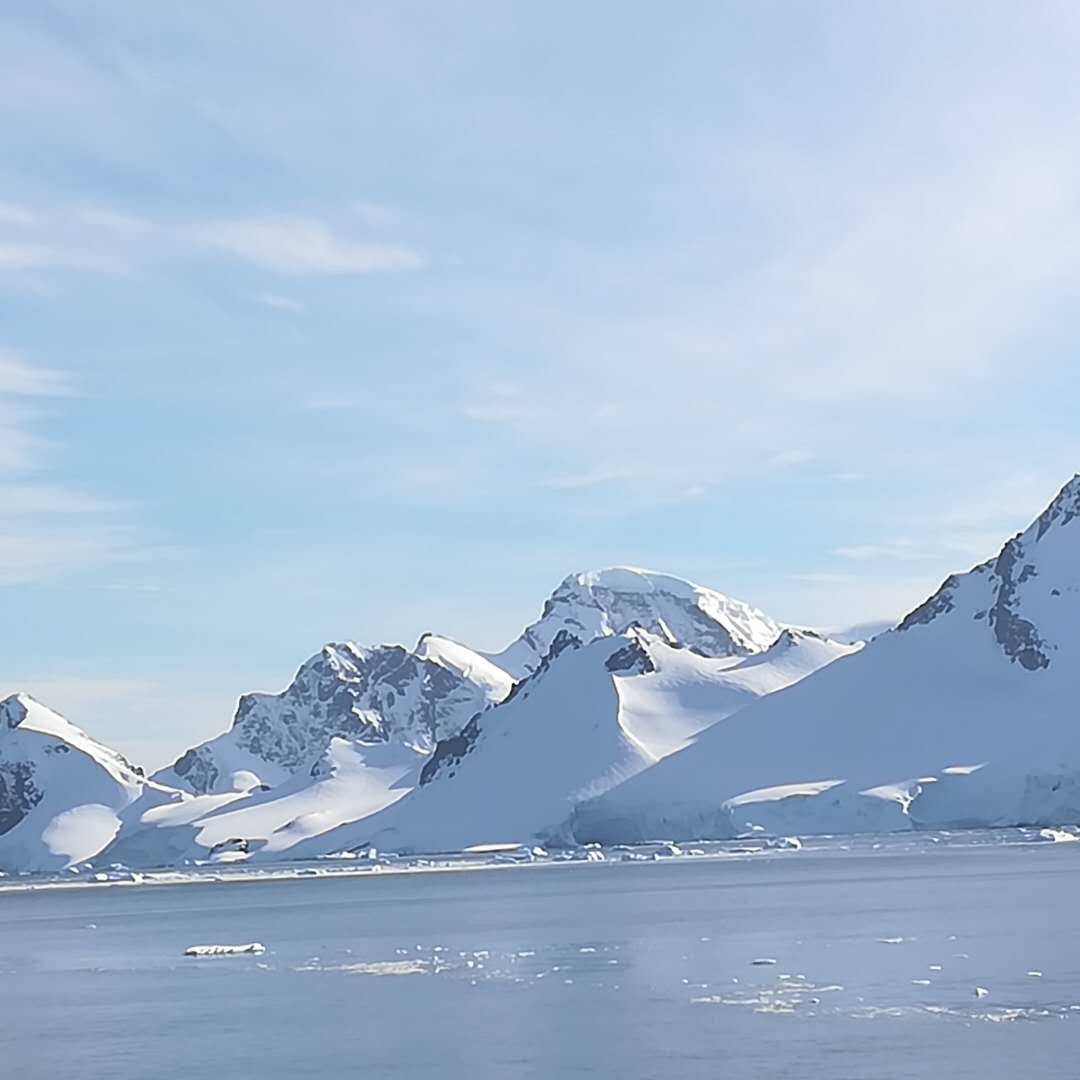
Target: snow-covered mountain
(966, 714)
(367, 696)
(636, 706)
(389, 694)
(592, 715)
(603, 602)
(367, 751)
(61, 793)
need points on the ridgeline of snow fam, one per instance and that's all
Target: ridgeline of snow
(963, 715)
(599, 603)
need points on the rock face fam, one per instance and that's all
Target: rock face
(603, 602)
(964, 715)
(346, 691)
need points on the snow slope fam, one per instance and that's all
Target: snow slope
(603, 602)
(350, 780)
(367, 696)
(965, 714)
(61, 793)
(591, 716)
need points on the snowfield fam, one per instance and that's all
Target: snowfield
(637, 706)
(962, 716)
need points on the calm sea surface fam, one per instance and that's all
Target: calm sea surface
(641, 970)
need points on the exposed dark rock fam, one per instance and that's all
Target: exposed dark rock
(18, 793)
(449, 752)
(938, 604)
(630, 659)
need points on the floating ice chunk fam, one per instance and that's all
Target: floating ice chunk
(981, 991)
(1058, 836)
(1035, 974)
(763, 961)
(920, 982)
(253, 948)
(892, 940)
(785, 843)
(935, 967)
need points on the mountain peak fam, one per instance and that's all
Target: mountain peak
(1027, 594)
(600, 603)
(1064, 508)
(369, 696)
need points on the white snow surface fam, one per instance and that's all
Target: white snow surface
(963, 715)
(349, 781)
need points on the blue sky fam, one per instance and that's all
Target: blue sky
(371, 319)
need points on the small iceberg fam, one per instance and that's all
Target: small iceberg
(253, 948)
(1058, 836)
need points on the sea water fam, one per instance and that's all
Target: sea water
(953, 956)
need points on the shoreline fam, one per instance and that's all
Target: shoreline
(856, 844)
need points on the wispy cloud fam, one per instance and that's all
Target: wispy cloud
(39, 498)
(48, 528)
(590, 478)
(902, 551)
(20, 216)
(280, 302)
(19, 377)
(294, 245)
(106, 218)
(114, 240)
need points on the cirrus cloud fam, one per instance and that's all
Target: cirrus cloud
(296, 245)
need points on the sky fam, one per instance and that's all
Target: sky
(358, 320)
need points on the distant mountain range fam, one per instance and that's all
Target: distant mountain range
(637, 706)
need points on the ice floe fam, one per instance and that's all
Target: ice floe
(253, 948)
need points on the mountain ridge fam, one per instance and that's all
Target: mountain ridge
(637, 705)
